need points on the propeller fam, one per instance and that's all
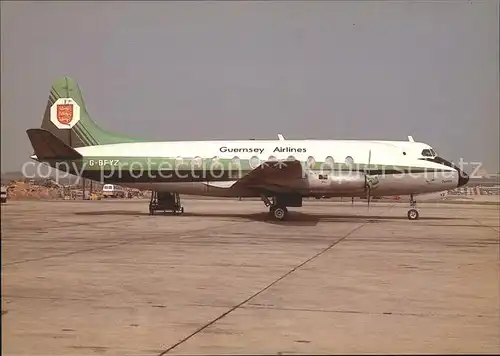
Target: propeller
(368, 182)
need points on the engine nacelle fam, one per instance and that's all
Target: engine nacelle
(342, 183)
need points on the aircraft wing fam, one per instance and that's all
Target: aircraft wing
(272, 175)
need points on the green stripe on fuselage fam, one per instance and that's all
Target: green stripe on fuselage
(99, 163)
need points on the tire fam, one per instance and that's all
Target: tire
(413, 214)
(279, 213)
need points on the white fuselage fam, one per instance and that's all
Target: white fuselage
(378, 153)
(382, 152)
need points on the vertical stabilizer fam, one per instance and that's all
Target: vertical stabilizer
(66, 117)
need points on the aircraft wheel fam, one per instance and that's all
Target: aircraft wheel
(279, 212)
(412, 214)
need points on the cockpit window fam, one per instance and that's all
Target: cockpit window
(427, 153)
(441, 160)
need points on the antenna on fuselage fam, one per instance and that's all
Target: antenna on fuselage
(280, 137)
(410, 138)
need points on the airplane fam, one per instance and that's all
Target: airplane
(281, 172)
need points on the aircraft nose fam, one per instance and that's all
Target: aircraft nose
(463, 178)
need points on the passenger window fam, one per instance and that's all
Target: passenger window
(329, 161)
(235, 161)
(254, 162)
(215, 163)
(311, 161)
(197, 162)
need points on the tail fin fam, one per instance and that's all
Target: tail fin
(66, 117)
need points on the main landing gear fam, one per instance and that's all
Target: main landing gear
(165, 201)
(278, 205)
(278, 212)
(413, 212)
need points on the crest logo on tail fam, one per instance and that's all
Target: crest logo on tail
(65, 113)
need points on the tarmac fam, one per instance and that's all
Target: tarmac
(106, 278)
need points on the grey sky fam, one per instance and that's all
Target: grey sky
(219, 70)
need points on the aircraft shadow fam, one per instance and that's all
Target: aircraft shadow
(294, 218)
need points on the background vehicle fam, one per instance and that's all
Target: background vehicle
(112, 191)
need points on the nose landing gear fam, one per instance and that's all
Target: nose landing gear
(413, 212)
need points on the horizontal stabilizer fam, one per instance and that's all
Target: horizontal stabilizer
(48, 146)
